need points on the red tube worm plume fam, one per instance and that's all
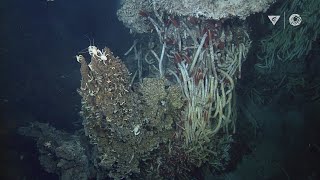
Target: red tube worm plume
(204, 30)
(209, 35)
(193, 20)
(208, 38)
(186, 58)
(166, 22)
(198, 76)
(174, 21)
(215, 35)
(206, 115)
(214, 25)
(170, 41)
(218, 24)
(221, 45)
(177, 71)
(143, 13)
(177, 58)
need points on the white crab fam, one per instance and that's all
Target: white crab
(95, 52)
(79, 58)
(103, 55)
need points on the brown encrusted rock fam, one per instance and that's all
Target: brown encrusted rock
(124, 126)
(110, 112)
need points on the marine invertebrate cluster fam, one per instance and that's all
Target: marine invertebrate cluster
(108, 110)
(182, 111)
(204, 56)
(123, 125)
(207, 9)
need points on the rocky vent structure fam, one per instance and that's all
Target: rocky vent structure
(206, 9)
(125, 123)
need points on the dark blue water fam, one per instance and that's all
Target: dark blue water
(39, 74)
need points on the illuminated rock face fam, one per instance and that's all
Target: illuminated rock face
(108, 110)
(138, 130)
(206, 9)
(124, 125)
(204, 46)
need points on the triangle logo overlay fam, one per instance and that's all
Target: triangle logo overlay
(274, 19)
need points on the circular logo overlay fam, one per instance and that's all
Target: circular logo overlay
(295, 19)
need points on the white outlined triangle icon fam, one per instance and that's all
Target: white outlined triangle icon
(274, 19)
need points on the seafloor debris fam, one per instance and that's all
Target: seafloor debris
(60, 152)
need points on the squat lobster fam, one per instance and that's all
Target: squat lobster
(95, 52)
